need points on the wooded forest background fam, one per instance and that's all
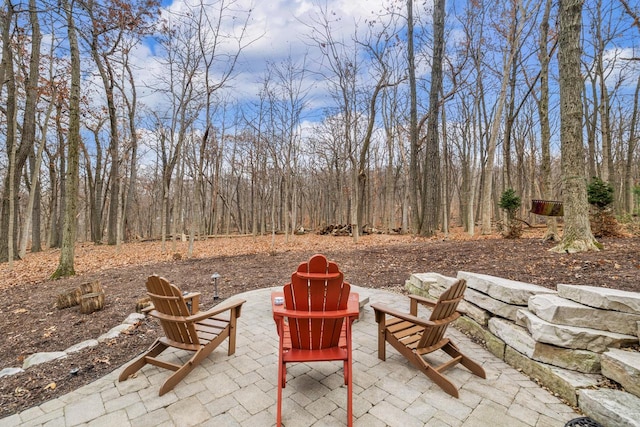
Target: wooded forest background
(414, 120)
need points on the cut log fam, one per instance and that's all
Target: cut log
(90, 288)
(72, 297)
(91, 302)
(68, 298)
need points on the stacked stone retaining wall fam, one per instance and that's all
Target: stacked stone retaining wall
(571, 339)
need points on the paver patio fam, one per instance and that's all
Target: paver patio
(240, 390)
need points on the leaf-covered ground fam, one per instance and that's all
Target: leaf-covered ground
(31, 323)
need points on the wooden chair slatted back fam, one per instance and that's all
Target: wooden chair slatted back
(167, 299)
(444, 313)
(313, 294)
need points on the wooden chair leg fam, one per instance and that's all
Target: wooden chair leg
(183, 371)
(442, 381)
(156, 348)
(382, 330)
(453, 351)
(232, 332)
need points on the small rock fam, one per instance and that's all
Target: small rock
(38, 358)
(6, 372)
(81, 346)
(134, 318)
(114, 332)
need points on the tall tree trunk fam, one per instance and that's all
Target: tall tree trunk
(133, 167)
(545, 129)
(67, 254)
(631, 148)
(12, 173)
(508, 127)
(431, 202)
(29, 120)
(8, 242)
(606, 170)
(591, 124)
(108, 81)
(414, 138)
(577, 230)
(487, 187)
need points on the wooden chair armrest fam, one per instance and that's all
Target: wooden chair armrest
(381, 310)
(423, 300)
(220, 308)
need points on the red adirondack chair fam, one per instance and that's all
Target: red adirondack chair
(314, 323)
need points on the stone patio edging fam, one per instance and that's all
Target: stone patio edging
(43, 357)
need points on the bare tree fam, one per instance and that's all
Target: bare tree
(577, 235)
(108, 28)
(545, 129)
(519, 13)
(348, 75)
(414, 137)
(67, 254)
(632, 143)
(431, 200)
(10, 191)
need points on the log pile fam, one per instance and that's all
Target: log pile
(345, 230)
(89, 296)
(336, 230)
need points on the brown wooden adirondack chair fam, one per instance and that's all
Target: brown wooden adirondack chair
(200, 332)
(314, 323)
(414, 337)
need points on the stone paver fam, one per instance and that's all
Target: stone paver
(241, 390)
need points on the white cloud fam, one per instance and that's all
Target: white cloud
(277, 28)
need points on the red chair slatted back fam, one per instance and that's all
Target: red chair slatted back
(316, 286)
(444, 313)
(167, 299)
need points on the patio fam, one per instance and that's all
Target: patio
(241, 389)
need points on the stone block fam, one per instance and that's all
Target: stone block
(604, 298)
(38, 358)
(623, 367)
(610, 407)
(492, 305)
(519, 339)
(562, 382)
(420, 282)
(476, 313)
(556, 309)
(6, 372)
(505, 290)
(415, 290)
(572, 336)
(494, 344)
(428, 285)
(81, 346)
(134, 319)
(115, 332)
